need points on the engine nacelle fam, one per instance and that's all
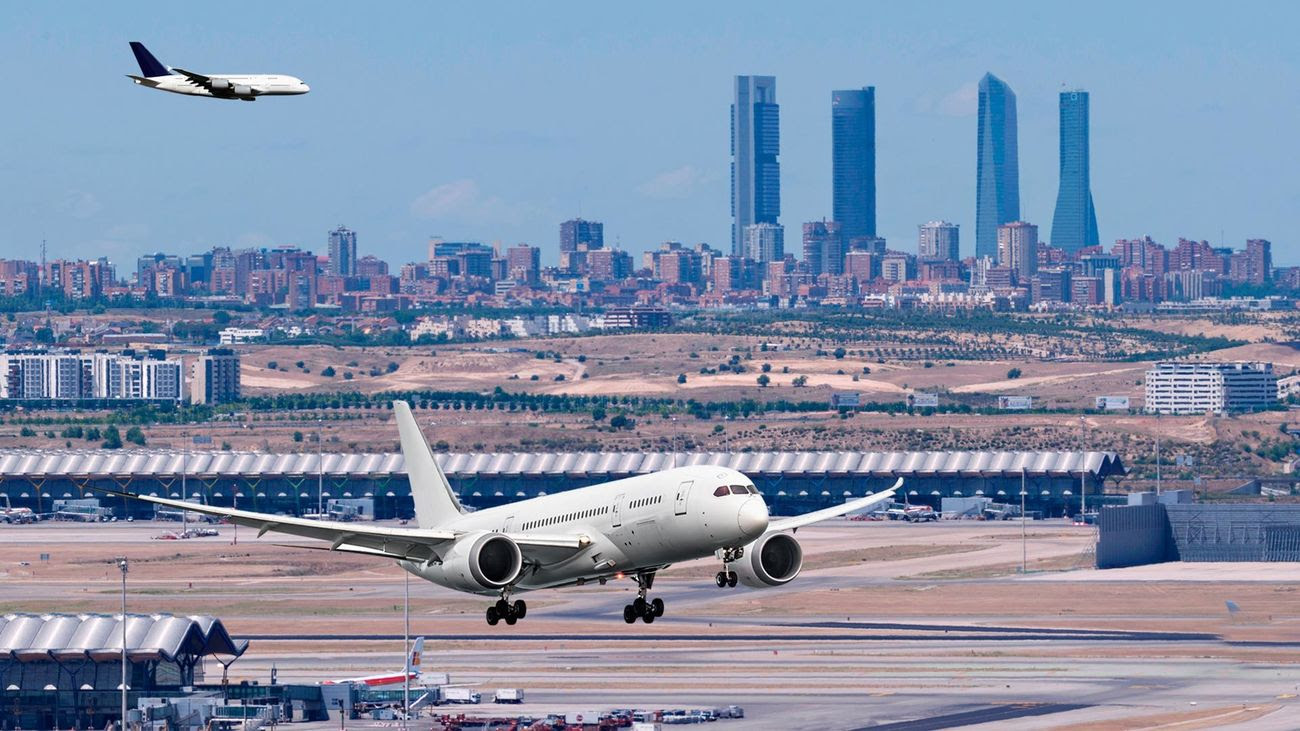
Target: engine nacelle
(241, 90)
(482, 561)
(772, 560)
(219, 84)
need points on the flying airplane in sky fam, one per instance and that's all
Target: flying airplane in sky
(245, 87)
(376, 682)
(632, 527)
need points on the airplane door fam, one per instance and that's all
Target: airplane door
(509, 525)
(618, 500)
(683, 492)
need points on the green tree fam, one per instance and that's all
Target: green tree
(1013, 374)
(839, 353)
(681, 378)
(327, 371)
(112, 438)
(763, 380)
(135, 435)
(598, 414)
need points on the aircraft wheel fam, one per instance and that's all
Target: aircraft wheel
(492, 616)
(638, 605)
(648, 614)
(511, 618)
(629, 614)
(520, 608)
(732, 578)
(720, 579)
(657, 605)
(503, 607)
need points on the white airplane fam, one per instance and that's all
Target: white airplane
(245, 87)
(632, 527)
(411, 673)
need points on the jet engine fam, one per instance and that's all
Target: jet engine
(479, 561)
(772, 560)
(241, 90)
(219, 85)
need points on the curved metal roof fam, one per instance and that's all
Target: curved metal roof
(37, 464)
(98, 637)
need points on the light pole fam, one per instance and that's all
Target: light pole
(1157, 465)
(320, 471)
(121, 563)
(1024, 551)
(406, 646)
(1083, 471)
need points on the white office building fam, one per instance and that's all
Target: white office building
(1177, 387)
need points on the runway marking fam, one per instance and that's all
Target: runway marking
(981, 715)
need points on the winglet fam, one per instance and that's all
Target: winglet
(149, 66)
(435, 503)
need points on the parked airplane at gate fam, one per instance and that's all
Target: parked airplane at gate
(632, 527)
(245, 87)
(410, 674)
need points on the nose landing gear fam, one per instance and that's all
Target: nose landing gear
(726, 577)
(505, 609)
(646, 611)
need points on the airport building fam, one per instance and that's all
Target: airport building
(74, 376)
(791, 482)
(1190, 387)
(1180, 530)
(65, 670)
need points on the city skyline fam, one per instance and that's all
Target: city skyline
(461, 164)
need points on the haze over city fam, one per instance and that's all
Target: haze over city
(490, 125)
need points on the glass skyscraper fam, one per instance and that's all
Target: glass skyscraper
(1075, 224)
(755, 144)
(853, 161)
(997, 168)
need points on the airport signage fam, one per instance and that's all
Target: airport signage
(1112, 403)
(925, 400)
(846, 400)
(1015, 403)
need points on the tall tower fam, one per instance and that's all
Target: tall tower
(343, 252)
(939, 240)
(853, 161)
(755, 144)
(997, 168)
(1075, 224)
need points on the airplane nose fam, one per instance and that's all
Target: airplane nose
(752, 518)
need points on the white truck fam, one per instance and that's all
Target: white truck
(579, 718)
(509, 695)
(461, 695)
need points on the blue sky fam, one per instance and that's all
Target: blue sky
(497, 121)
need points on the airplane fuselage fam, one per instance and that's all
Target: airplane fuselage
(257, 84)
(637, 524)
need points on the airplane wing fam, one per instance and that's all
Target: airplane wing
(851, 506)
(404, 544)
(199, 79)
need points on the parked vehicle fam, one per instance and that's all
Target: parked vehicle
(461, 695)
(509, 695)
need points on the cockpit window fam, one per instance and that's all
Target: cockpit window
(739, 490)
(720, 491)
(753, 490)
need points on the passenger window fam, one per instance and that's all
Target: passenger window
(720, 491)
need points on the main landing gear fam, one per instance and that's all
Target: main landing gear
(726, 577)
(505, 609)
(647, 611)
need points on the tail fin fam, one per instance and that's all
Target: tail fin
(435, 503)
(413, 661)
(149, 66)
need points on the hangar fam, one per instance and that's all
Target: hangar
(790, 481)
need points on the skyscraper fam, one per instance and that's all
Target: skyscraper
(823, 247)
(343, 252)
(755, 144)
(1075, 224)
(938, 240)
(997, 169)
(853, 161)
(1018, 249)
(764, 242)
(576, 233)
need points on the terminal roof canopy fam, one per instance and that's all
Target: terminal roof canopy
(98, 637)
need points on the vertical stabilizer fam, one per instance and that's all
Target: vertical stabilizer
(435, 503)
(413, 662)
(149, 66)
